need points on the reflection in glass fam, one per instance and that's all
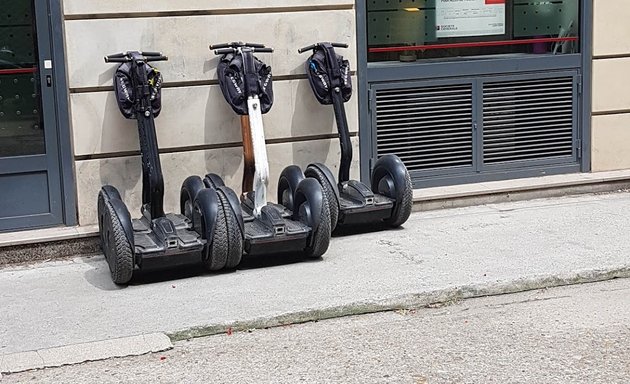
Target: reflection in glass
(21, 128)
(409, 30)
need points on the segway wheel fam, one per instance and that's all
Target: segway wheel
(190, 188)
(116, 246)
(233, 233)
(307, 211)
(404, 206)
(329, 192)
(391, 178)
(214, 232)
(288, 182)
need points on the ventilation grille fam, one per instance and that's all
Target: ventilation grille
(527, 120)
(427, 127)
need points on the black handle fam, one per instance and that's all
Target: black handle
(313, 46)
(126, 57)
(255, 48)
(307, 48)
(221, 46)
(223, 51)
(116, 59)
(254, 45)
(156, 58)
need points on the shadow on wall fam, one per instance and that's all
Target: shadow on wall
(221, 161)
(124, 173)
(308, 112)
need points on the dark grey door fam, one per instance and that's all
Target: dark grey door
(30, 185)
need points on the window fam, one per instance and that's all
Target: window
(410, 30)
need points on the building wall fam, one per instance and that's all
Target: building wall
(611, 85)
(197, 130)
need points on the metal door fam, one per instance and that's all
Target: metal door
(30, 183)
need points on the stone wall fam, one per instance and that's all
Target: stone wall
(197, 131)
(611, 85)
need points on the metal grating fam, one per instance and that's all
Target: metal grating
(528, 120)
(427, 127)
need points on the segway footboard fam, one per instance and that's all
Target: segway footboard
(274, 231)
(167, 241)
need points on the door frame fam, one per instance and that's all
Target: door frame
(62, 104)
(367, 73)
(57, 159)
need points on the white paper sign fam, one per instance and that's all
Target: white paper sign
(458, 18)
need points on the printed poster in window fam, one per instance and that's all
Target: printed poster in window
(460, 18)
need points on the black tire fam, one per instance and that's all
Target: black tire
(101, 205)
(403, 210)
(234, 236)
(321, 237)
(116, 247)
(191, 186)
(217, 247)
(329, 193)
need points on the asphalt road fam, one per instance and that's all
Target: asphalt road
(576, 334)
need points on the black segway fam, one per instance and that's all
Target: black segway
(156, 239)
(246, 83)
(389, 199)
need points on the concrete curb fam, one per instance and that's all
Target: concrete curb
(408, 301)
(80, 353)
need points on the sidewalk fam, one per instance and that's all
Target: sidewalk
(439, 256)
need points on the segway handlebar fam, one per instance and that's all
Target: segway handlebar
(223, 51)
(236, 44)
(313, 46)
(126, 57)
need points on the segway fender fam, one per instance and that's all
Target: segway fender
(235, 205)
(123, 215)
(309, 191)
(207, 202)
(190, 188)
(394, 167)
(111, 192)
(329, 176)
(212, 180)
(290, 178)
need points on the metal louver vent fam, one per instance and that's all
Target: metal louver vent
(527, 119)
(427, 127)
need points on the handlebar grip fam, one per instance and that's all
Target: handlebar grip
(147, 54)
(254, 45)
(220, 46)
(156, 58)
(117, 55)
(223, 51)
(263, 50)
(116, 59)
(339, 45)
(307, 48)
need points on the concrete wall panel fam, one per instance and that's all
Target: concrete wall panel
(185, 40)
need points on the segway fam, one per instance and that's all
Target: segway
(156, 239)
(246, 83)
(389, 199)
